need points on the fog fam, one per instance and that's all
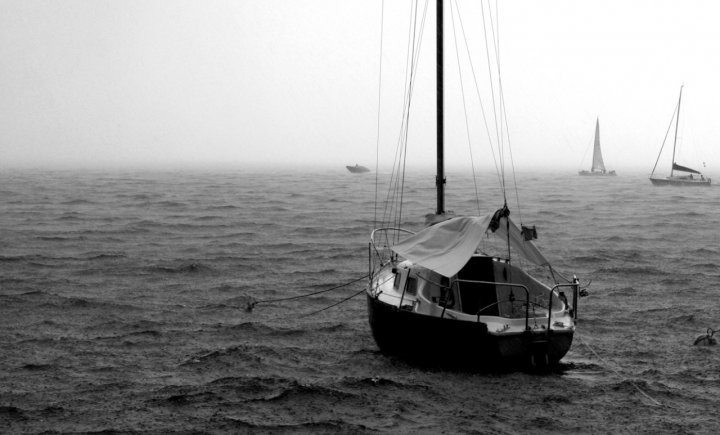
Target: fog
(95, 84)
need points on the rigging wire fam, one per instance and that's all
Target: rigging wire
(495, 111)
(490, 22)
(377, 141)
(403, 125)
(480, 100)
(666, 136)
(502, 132)
(504, 117)
(390, 198)
(413, 63)
(393, 201)
(495, 44)
(499, 132)
(462, 92)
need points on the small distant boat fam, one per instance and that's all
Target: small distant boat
(598, 166)
(357, 169)
(687, 176)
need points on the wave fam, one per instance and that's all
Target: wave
(13, 413)
(38, 367)
(623, 292)
(632, 270)
(317, 425)
(589, 259)
(51, 300)
(77, 201)
(224, 207)
(233, 355)
(54, 238)
(104, 256)
(186, 268)
(19, 258)
(711, 267)
(362, 383)
(294, 391)
(208, 218)
(683, 318)
(264, 329)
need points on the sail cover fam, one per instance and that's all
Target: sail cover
(446, 247)
(677, 167)
(597, 164)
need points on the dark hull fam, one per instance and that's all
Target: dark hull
(680, 182)
(357, 169)
(452, 343)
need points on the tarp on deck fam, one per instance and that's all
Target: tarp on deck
(446, 247)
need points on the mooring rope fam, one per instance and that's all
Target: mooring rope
(252, 304)
(333, 305)
(620, 375)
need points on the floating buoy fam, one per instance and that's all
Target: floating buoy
(250, 305)
(707, 339)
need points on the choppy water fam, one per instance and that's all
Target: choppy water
(122, 300)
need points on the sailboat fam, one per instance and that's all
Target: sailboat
(687, 176)
(436, 296)
(598, 166)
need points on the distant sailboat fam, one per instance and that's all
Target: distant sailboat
(598, 166)
(685, 179)
(357, 169)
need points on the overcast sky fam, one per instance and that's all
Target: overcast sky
(99, 83)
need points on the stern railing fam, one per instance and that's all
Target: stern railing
(574, 285)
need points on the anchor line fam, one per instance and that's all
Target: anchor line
(620, 375)
(252, 304)
(333, 305)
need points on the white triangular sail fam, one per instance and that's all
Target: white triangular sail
(597, 164)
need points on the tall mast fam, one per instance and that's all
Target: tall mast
(677, 121)
(440, 177)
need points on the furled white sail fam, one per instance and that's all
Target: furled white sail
(446, 247)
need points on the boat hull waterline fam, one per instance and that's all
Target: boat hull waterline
(482, 312)
(461, 344)
(680, 181)
(597, 173)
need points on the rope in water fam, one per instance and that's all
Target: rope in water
(252, 304)
(620, 375)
